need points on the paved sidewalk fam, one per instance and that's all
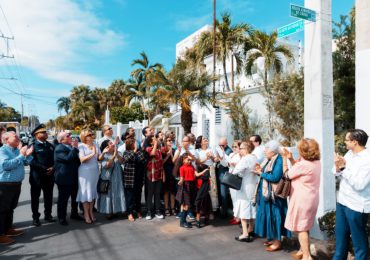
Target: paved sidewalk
(121, 239)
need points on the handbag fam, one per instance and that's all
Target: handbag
(103, 186)
(282, 188)
(233, 181)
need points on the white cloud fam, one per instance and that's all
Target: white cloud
(192, 23)
(55, 38)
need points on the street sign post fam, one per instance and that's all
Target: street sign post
(291, 28)
(302, 13)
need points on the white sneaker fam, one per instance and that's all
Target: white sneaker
(148, 217)
(159, 215)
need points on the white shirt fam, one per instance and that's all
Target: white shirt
(223, 156)
(233, 158)
(202, 155)
(259, 152)
(354, 191)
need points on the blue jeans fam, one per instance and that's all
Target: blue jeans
(223, 190)
(350, 222)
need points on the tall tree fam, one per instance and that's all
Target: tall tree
(184, 85)
(142, 77)
(266, 46)
(344, 72)
(64, 103)
(288, 105)
(228, 39)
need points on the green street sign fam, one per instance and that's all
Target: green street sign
(302, 13)
(291, 28)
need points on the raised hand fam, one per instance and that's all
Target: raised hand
(339, 161)
(258, 169)
(23, 150)
(116, 140)
(106, 150)
(29, 150)
(284, 152)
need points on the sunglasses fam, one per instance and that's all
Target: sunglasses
(110, 128)
(235, 146)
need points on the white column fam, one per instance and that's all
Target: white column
(318, 99)
(362, 65)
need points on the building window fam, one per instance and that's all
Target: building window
(206, 128)
(217, 116)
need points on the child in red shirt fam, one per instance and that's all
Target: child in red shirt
(186, 192)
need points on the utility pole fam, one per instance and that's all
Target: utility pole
(362, 64)
(214, 52)
(318, 99)
(7, 54)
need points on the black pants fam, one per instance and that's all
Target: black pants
(130, 200)
(138, 188)
(9, 196)
(64, 192)
(154, 188)
(47, 187)
(74, 203)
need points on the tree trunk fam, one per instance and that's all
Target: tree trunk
(186, 119)
(269, 109)
(225, 74)
(232, 72)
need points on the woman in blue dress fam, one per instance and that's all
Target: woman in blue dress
(114, 201)
(271, 210)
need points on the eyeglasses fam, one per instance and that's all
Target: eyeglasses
(110, 128)
(235, 146)
(89, 135)
(169, 140)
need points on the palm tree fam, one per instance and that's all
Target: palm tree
(119, 94)
(184, 85)
(82, 104)
(64, 103)
(263, 45)
(142, 77)
(99, 97)
(228, 39)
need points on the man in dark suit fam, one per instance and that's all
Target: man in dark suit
(66, 163)
(42, 174)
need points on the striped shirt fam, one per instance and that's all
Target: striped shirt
(12, 164)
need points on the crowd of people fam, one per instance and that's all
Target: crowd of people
(185, 180)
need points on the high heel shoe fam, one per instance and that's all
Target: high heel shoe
(297, 255)
(272, 248)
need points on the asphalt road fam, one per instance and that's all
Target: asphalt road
(121, 239)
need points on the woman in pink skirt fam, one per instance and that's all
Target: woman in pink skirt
(304, 194)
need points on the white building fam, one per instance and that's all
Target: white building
(215, 122)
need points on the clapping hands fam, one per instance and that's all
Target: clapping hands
(284, 152)
(26, 151)
(257, 169)
(339, 162)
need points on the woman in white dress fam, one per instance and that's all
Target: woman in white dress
(244, 208)
(233, 160)
(88, 174)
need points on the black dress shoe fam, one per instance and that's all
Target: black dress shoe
(77, 217)
(63, 222)
(49, 219)
(36, 222)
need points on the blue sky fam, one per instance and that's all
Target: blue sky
(62, 43)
